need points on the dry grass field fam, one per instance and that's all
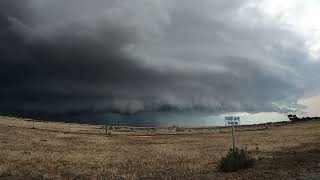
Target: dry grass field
(50, 151)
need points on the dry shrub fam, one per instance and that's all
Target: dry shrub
(236, 159)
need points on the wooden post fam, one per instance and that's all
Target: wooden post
(220, 129)
(106, 127)
(33, 124)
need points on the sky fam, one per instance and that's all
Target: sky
(159, 62)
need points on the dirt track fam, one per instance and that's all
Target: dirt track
(289, 151)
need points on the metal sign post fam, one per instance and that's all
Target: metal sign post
(232, 121)
(233, 138)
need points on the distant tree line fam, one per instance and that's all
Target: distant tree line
(294, 118)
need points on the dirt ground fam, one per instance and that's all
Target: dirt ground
(50, 151)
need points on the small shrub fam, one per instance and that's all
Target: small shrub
(236, 159)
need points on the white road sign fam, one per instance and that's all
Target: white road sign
(232, 121)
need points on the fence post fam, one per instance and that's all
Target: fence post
(106, 127)
(33, 124)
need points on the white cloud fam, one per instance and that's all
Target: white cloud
(312, 105)
(299, 16)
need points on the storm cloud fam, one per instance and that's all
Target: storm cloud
(75, 57)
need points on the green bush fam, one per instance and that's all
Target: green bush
(236, 159)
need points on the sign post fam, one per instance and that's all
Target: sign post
(232, 121)
(233, 138)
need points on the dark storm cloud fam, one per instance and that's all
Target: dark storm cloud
(71, 57)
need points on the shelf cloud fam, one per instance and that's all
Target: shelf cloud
(124, 57)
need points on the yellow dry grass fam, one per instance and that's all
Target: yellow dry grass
(50, 152)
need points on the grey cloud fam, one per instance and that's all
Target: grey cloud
(70, 58)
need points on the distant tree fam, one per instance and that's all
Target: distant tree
(293, 117)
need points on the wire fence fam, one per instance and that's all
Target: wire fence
(126, 130)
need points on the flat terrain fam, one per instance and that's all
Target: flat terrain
(62, 151)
